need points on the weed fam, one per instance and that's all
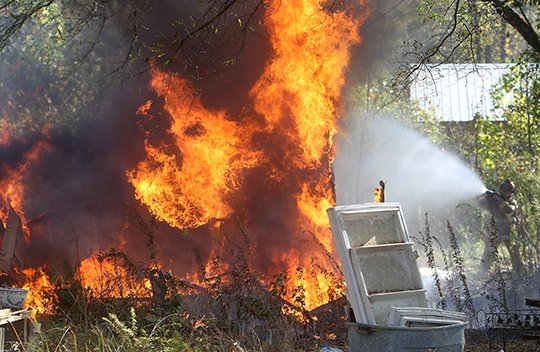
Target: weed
(496, 275)
(457, 259)
(134, 306)
(427, 243)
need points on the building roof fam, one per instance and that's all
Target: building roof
(456, 92)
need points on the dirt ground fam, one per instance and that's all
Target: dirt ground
(497, 341)
(513, 346)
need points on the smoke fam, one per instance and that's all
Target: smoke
(76, 194)
(78, 200)
(391, 24)
(419, 174)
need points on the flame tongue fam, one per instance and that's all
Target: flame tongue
(190, 192)
(302, 83)
(304, 78)
(12, 181)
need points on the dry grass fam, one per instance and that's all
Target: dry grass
(232, 311)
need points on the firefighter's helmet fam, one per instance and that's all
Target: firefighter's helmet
(508, 185)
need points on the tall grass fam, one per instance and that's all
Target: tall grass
(460, 272)
(426, 242)
(467, 286)
(229, 309)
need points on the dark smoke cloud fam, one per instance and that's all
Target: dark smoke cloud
(12, 154)
(78, 190)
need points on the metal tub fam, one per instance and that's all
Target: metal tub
(368, 338)
(12, 297)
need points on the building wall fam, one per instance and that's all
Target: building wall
(456, 92)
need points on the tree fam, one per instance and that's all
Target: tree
(465, 31)
(60, 56)
(519, 21)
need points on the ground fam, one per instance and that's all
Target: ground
(507, 341)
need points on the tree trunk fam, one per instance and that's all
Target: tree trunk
(473, 9)
(524, 29)
(502, 42)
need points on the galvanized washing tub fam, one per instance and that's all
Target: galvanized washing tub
(378, 338)
(12, 297)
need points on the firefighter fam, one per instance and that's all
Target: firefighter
(503, 209)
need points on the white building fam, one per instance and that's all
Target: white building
(456, 92)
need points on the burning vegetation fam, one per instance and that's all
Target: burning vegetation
(259, 180)
(218, 167)
(190, 212)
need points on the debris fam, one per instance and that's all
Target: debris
(330, 349)
(378, 260)
(14, 298)
(12, 233)
(384, 285)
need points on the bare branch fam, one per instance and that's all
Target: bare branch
(437, 48)
(16, 14)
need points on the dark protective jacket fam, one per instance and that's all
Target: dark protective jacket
(503, 211)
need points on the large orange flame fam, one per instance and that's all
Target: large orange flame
(304, 78)
(303, 82)
(188, 184)
(190, 192)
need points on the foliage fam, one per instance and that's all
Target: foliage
(134, 333)
(238, 321)
(381, 98)
(472, 31)
(498, 291)
(460, 272)
(53, 68)
(456, 288)
(60, 57)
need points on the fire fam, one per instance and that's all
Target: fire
(378, 193)
(190, 192)
(313, 204)
(190, 182)
(304, 78)
(12, 183)
(310, 285)
(100, 278)
(41, 295)
(104, 279)
(313, 50)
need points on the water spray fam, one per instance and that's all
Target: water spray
(424, 176)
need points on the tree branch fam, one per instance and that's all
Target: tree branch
(436, 49)
(524, 29)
